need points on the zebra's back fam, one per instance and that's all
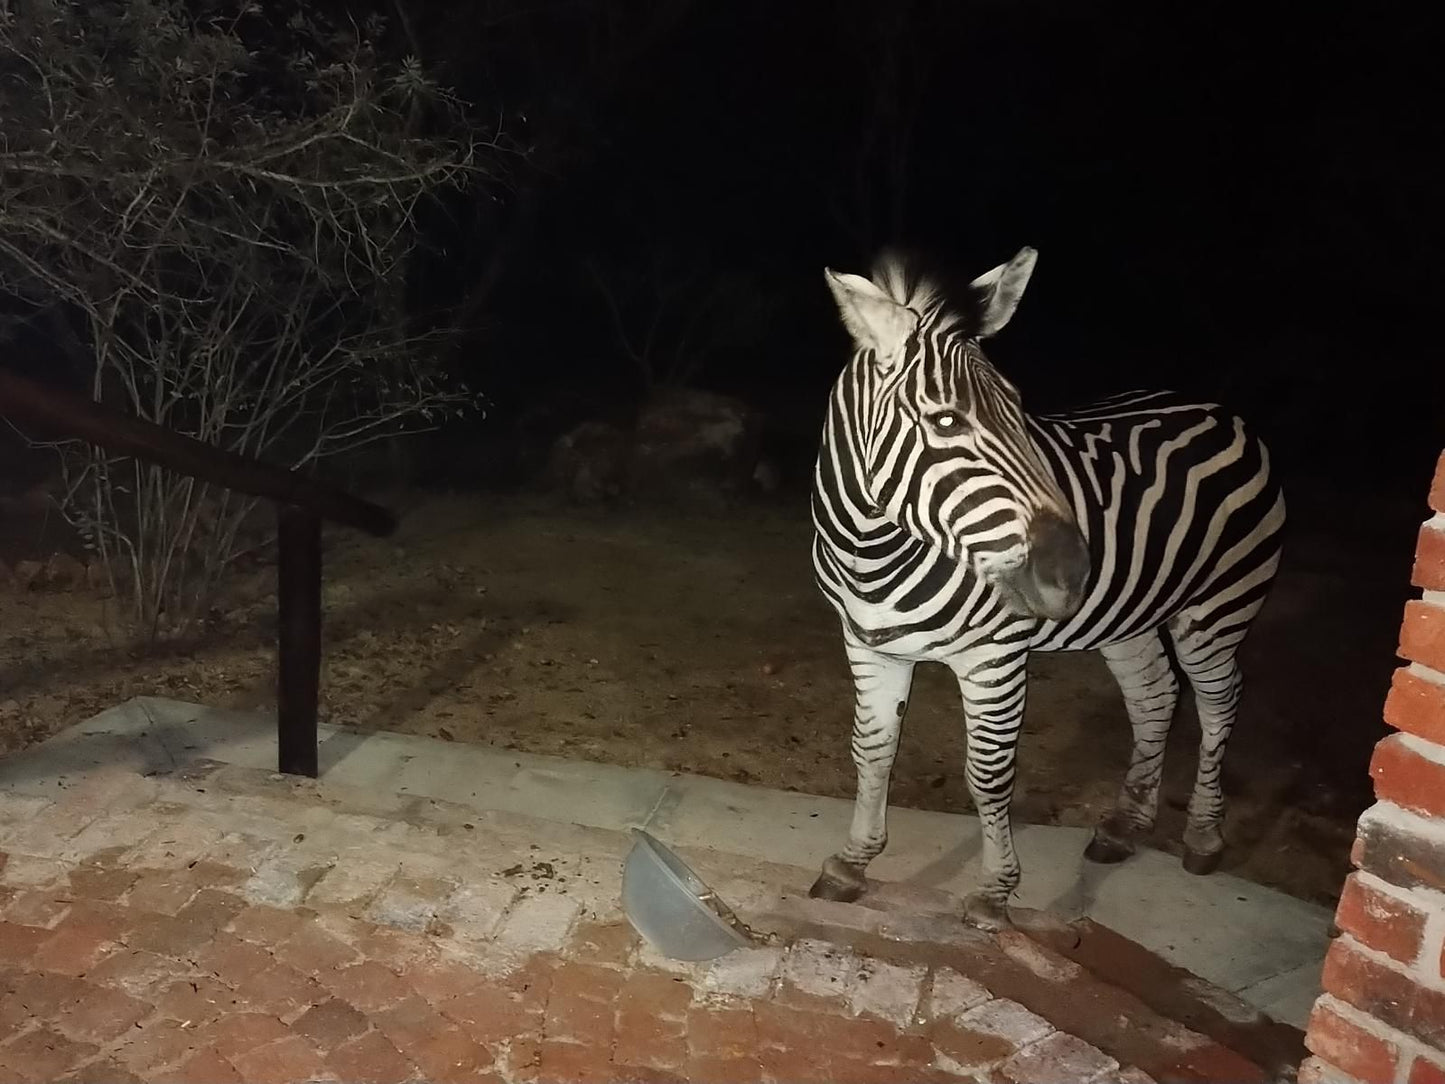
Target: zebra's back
(1179, 507)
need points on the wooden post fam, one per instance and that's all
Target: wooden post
(298, 596)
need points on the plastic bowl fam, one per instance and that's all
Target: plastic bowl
(671, 907)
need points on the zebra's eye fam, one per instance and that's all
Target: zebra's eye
(947, 421)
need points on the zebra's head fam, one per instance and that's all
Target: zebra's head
(940, 436)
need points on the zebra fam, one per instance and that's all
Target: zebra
(950, 526)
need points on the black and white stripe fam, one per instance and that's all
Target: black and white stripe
(951, 527)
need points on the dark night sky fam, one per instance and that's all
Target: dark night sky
(1226, 198)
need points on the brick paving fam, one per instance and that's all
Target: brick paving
(213, 925)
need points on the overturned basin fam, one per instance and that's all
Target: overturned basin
(672, 908)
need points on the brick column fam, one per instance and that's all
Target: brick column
(1381, 1019)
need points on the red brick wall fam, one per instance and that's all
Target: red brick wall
(1382, 1017)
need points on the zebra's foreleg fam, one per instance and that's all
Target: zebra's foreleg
(993, 701)
(1212, 667)
(1151, 693)
(880, 690)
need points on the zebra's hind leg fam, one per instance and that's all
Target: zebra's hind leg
(1208, 657)
(881, 685)
(1151, 693)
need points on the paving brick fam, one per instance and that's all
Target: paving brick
(87, 935)
(286, 1061)
(203, 1067)
(663, 997)
(282, 991)
(1008, 1020)
(828, 1034)
(101, 1071)
(43, 994)
(165, 891)
(330, 1024)
(45, 1054)
(32, 871)
(721, 1034)
(493, 1013)
(311, 950)
(370, 1059)
(816, 973)
(649, 1044)
(109, 839)
(136, 971)
(239, 850)
(963, 1050)
(746, 973)
(887, 991)
(538, 924)
(107, 788)
(263, 924)
(196, 1001)
(743, 1070)
(951, 995)
(168, 935)
(1058, 1059)
(450, 1055)
(100, 1013)
(284, 879)
(231, 959)
(577, 1019)
(101, 882)
(238, 1032)
(45, 835)
(211, 909)
(443, 979)
(352, 883)
(156, 1043)
(1047, 965)
(573, 1063)
(19, 943)
(410, 1022)
(174, 846)
(396, 949)
(649, 958)
(475, 910)
(610, 944)
(18, 809)
(800, 1064)
(35, 907)
(591, 982)
(409, 903)
(367, 985)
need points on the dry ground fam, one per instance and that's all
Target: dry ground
(697, 642)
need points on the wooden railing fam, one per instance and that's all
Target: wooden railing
(301, 505)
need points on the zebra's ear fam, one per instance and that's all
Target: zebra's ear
(999, 290)
(875, 320)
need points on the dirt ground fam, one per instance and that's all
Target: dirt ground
(696, 642)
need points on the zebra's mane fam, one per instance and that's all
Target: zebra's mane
(907, 279)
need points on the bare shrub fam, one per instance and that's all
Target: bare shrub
(220, 200)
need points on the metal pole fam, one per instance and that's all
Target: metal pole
(298, 638)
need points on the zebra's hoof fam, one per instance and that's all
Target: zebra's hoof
(1105, 850)
(986, 913)
(839, 882)
(1202, 863)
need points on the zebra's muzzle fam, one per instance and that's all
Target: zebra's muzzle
(1052, 582)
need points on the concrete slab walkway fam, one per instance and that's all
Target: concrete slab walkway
(168, 917)
(1262, 945)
